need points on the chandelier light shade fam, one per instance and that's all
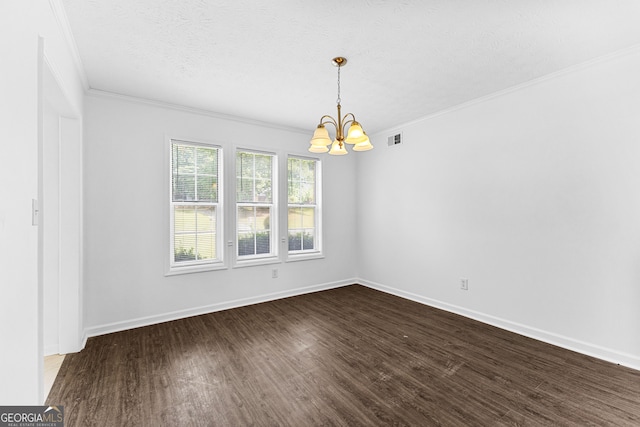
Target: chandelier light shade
(318, 149)
(363, 146)
(321, 140)
(338, 149)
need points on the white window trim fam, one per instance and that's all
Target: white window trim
(227, 210)
(171, 268)
(317, 253)
(262, 259)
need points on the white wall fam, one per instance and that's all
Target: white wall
(20, 362)
(533, 196)
(126, 218)
(31, 36)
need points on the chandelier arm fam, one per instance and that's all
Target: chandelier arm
(330, 120)
(353, 118)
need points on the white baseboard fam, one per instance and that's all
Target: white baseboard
(599, 352)
(568, 343)
(85, 337)
(196, 311)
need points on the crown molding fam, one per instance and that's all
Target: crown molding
(192, 110)
(63, 23)
(635, 49)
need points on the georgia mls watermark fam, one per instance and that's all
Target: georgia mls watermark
(31, 416)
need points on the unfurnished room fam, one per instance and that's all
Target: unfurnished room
(289, 213)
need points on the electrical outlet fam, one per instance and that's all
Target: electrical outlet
(274, 273)
(464, 283)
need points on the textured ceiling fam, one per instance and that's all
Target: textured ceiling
(271, 61)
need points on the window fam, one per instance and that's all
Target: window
(195, 204)
(255, 203)
(197, 211)
(303, 205)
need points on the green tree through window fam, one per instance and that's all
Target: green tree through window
(194, 203)
(255, 203)
(302, 180)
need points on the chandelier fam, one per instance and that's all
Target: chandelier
(320, 141)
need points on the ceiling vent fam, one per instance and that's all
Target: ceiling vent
(395, 139)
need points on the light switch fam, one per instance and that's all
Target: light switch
(35, 213)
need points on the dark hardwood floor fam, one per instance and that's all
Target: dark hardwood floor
(348, 356)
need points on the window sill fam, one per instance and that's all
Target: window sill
(188, 269)
(256, 261)
(304, 256)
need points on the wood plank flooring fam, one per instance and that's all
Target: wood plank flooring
(351, 356)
